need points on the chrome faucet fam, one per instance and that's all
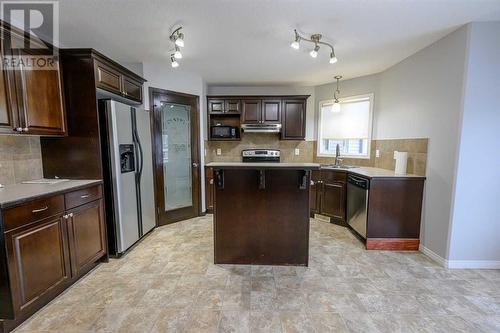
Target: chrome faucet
(338, 160)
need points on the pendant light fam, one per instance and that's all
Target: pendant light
(336, 103)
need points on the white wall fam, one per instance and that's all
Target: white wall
(476, 214)
(163, 76)
(274, 90)
(421, 97)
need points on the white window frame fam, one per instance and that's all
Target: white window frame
(370, 96)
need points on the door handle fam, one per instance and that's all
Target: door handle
(195, 165)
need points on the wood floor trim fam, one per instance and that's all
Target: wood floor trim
(392, 244)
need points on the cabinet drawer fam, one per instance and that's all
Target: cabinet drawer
(107, 77)
(132, 89)
(80, 197)
(329, 176)
(33, 211)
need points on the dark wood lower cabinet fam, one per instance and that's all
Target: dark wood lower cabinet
(38, 260)
(87, 237)
(209, 190)
(44, 248)
(328, 194)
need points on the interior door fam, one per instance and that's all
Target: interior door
(177, 155)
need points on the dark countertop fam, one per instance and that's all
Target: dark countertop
(15, 194)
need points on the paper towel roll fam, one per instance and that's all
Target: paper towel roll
(401, 162)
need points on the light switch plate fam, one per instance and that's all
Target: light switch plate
(395, 152)
(377, 153)
(219, 151)
(297, 151)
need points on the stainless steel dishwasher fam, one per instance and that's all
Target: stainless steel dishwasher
(357, 203)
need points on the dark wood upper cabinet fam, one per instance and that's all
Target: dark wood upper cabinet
(251, 111)
(38, 260)
(132, 89)
(216, 106)
(42, 111)
(232, 106)
(271, 111)
(31, 99)
(294, 119)
(107, 78)
(289, 111)
(114, 78)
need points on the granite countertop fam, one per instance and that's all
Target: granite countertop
(372, 172)
(262, 165)
(18, 193)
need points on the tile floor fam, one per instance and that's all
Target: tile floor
(168, 283)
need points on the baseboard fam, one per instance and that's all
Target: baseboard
(433, 255)
(474, 264)
(460, 264)
(392, 244)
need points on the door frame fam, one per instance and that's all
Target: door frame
(181, 98)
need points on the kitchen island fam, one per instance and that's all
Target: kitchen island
(261, 212)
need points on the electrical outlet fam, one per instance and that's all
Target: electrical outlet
(219, 152)
(377, 153)
(395, 152)
(297, 151)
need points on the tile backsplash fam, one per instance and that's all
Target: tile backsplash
(231, 151)
(20, 159)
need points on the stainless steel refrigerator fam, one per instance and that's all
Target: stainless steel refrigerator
(128, 175)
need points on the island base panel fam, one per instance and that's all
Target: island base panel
(262, 217)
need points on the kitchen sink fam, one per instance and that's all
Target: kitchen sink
(335, 166)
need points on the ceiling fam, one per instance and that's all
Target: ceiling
(238, 42)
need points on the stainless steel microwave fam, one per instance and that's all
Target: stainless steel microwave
(224, 132)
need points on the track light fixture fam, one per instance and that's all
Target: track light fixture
(174, 62)
(316, 39)
(177, 37)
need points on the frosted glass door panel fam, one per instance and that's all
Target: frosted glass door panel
(177, 163)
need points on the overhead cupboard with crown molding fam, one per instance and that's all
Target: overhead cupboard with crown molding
(289, 111)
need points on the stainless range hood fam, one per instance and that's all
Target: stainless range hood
(261, 128)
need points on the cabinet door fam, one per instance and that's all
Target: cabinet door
(132, 89)
(294, 120)
(87, 237)
(216, 106)
(209, 190)
(315, 193)
(251, 111)
(42, 111)
(107, 77)
(271, 111)
(232, 106)
(38, 261)
(333, 200)
(8, 107)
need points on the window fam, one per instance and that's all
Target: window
(349, 126)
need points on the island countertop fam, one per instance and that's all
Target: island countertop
(263, 165)
(15, 194)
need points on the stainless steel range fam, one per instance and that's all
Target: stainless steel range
(260, 155)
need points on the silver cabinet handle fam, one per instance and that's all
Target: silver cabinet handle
(195, 165)
(312, 182)
(25, 129)
(18, 129)
(211, 181)
(40, 210)
(85, 196)
(65, 216)
(70, 214)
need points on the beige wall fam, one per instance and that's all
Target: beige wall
(20, 159)
(231, 151)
